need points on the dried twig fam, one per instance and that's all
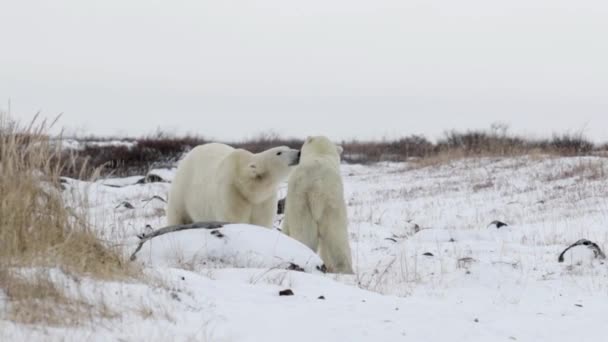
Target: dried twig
(597, 251)
(197, 225)
(148, 200)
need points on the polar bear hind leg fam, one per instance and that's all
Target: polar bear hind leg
(307, 231)
(335, 250)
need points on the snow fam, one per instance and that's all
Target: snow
(75, 144)
(71, 144)
(429, 265)
(237, 245)
(111, 143)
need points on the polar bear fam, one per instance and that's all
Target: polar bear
(215, 182)
(315, 211)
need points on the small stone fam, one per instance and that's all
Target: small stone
(498, 224)
(287, 292)
(281, 206)
(125, 204)
(217, 234)
(295, 267)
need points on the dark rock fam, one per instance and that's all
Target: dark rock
(151, 178)
(125, 204)
(287, 292)
(217, 234)
(281, 206)
(321, 297)
(498, 224)
(428, 254)
(294, 267)
(141, 181)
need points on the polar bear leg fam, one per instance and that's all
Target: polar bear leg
(176, 215)
(335, 250)
(307, 230)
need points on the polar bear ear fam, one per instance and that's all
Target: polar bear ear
(340, 149)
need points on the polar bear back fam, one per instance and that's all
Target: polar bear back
(320, 186)
(216, 182)
(315, 209)
(194, 182)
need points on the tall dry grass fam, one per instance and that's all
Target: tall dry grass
(39, 232)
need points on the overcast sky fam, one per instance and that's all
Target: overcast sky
(230, 69)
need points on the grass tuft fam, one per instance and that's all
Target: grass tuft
(39, 231)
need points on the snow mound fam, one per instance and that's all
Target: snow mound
(234, 245)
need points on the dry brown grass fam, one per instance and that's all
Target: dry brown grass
(38, 230)
(441, 158)
(583, 170)
(450, 155)
(162, 150)
(37, 300)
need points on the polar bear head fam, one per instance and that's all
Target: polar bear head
(273, 165)
(321, 146)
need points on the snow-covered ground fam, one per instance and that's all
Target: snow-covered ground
(75, 144)
(428, 264)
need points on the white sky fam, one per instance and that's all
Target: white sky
(344, 68)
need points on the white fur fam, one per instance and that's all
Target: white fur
(315, 211)
(216, 182)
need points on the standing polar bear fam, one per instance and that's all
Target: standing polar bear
(216, 182)
(315, 212)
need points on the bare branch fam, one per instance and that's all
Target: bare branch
(597, 251)
(169, 229)
(148, 200)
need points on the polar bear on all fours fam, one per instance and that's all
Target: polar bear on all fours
(216, 182)
(315, 211)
